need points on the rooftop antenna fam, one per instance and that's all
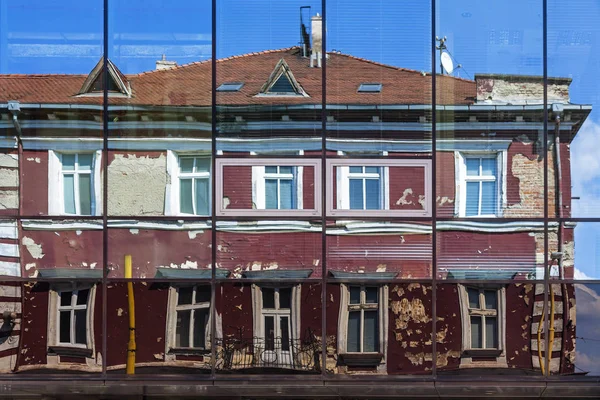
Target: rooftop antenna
(304, 37)
(445, 60)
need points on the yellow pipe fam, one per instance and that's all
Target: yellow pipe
(131, 347)
(551, 329)
(539, 339)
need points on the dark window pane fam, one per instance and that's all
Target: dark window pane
(186, 165)
(85, 194)
(491, 333)
(69, 193)
(268, 297)
(185, 295)
(202, 294)
(476, 333)
(269, 333)
(473, 298)
(182, 330)
(82, 296)
(202, 197)
(373, 198)
(65, 298)
(283, 85)
(285, 333)
(80, 326)
(356, 194)
(185, 196)
(491, 299)
(372, 294)
(200, 324)
(371, 340)
(285, 298)
(65, 327)
(353, 345)
(354, 295)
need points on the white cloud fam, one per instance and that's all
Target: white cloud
(588, 363)
(585, 169)
(581, 275)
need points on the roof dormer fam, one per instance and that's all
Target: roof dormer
(118, 85)
(281, 82)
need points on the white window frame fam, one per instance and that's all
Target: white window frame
(259, 191)
(468, 351)
(173, 307)
(259, 313)
(172, 198)
(341, 208)
(56, 203)
(462, 179)
(54, 309)
(343, 186)
(258, 186)
(344, 314)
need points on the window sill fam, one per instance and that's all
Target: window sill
(70, 351)
(482, 353)
(361, 359)
(189, 352)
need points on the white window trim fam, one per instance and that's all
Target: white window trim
(258, 186)
(383, 301)
(460, 173)
(56, 204)
(53, 333)
(258, 328)
(171, 326)
(466, 361)
(342, 185)
(172, 201)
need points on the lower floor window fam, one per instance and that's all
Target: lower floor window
(192, 317)
(363, 320)
(72, 321)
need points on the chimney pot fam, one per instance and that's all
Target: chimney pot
(316, 32)
(163, 63)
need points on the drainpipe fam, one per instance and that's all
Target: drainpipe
(131, 346)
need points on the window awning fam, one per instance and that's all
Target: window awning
(278, 274)
(70, 273)
(176, 273)
(363, 276)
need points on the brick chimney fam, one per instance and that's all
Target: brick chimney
(316, 31)
(165, 64)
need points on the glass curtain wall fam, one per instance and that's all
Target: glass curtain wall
(324, 188)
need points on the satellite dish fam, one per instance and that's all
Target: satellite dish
(447, 63)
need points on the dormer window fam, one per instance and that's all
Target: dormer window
(118, 85)
(282, 82)
(370, 88)
(230, 87)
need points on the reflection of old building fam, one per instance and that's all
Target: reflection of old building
(364, 176)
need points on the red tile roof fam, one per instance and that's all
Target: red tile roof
(190, 84)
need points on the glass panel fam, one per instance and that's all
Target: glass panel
(200, 325)
(81, 326)
(355, 294)
(186, 164)
(488, 166)
(356, 194)
(69, 193)
(268, 295)
(65, 326)
(203, 164)
(85, 194)
(202, 294)
(372, 170)
(579, 337)
(473, 298)
(372, 293)
(285, 333)
(371, 339)
(286, 201)
(185, 295)
(355, 170)
(65, 298)
(185, 196)
(68, 162)
(488, 198)
(373, 199)
(472, 204)
(182, 330)
(285, 298)
(476, 333)
(472, 166)
(353, 344)
(286, 169)
(271, 194)
(491, 333)
(82, 296)
(85, 161)
(584, 239)
(491, 299)
(269, 333)
(271, 169)
(202, 196)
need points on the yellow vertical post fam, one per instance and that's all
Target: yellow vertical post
(131, 347)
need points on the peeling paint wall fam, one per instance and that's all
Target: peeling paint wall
(136, 183)
(34, 178)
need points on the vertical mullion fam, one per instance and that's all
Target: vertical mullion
(432, 201)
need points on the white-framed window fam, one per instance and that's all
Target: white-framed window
(189, 189)
(276, 312)
(480, 183)
(483, 323)
(189, 316)
(74, 186)
(363, 322)
(276, 186)
(362, 187)
(71, 316)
